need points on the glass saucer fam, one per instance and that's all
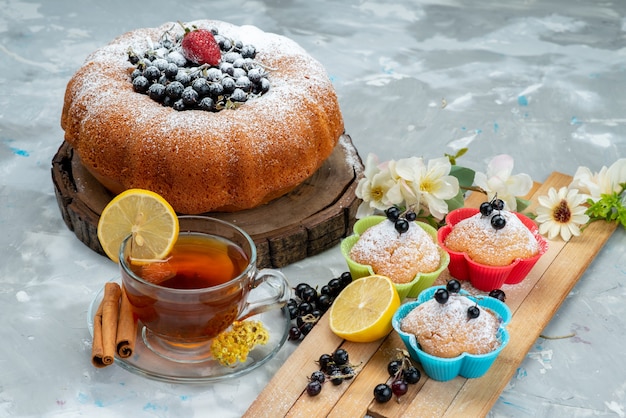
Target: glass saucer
(145, 362)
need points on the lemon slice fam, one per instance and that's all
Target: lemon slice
(363, 310)
(145, 215)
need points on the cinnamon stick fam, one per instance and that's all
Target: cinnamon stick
(126, 329)
(105, 326)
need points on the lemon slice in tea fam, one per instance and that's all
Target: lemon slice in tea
(363, 310)
(147, 216)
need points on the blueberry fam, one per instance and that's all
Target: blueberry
(239, 95)
(179, 105)
(255, 75)
(228, 84)
(213, 74)
(201, 86)
(410, 216)
(313, 388)
(160, 63)
(141, 84)
(189, 97)
(157, 92)
(174, 90)
(171, 71)
(216, 89)
(183, 77)
(227, 68)
(239, 63)
(206, 104)
(231, 57)
(136, 73)
(248, 51)
(151, 73)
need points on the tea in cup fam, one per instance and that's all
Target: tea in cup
(206, 283)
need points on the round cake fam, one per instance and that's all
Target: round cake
(485, 244)
(235, 156)
(399, 256)
(445, 330)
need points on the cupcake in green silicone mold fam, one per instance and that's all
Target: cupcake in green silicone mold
(410, 257)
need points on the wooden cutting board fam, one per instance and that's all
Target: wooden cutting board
(532, 302)
(313, 217)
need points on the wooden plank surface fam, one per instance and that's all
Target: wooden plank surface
(532, 302)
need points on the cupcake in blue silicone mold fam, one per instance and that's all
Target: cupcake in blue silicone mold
(464, 365)
(421, 281)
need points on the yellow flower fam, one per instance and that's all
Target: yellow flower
(561, 213)
(234, 345)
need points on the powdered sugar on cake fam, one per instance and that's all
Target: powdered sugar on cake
(398, 256)
(445, 330)
(486, 245)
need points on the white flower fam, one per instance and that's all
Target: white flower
(561, 213)
(373, 187)
(498, 180)
(606, 181)
(406, 173)
(436, 186)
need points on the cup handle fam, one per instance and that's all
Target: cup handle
(280, 293)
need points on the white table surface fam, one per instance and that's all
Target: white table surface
(543, 81)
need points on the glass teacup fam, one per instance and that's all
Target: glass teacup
(209, 280)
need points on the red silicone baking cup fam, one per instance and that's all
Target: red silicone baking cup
(481, 276)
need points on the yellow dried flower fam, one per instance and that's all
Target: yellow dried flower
(234, 344)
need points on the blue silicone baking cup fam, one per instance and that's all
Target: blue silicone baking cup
(465, 365)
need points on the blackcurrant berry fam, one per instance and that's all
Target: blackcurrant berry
(293, 311)
(324, 302)
(399, 387)
(340, 357)
(394, 367)
(318, 375)
(307, 327)
(336, 377)
(453, 286)
(498, 294)
(324, 361)
(498, 204)
(294, 334)
(348, 372)
(313, 388)
(442, 295)
(300, 288)
(304, 308)
(401, 225)
(335, 286)
(308, 295)
(412, 375)
(382, 393)
(410, 216)
(346, 278)
(498, 221)
(486, 208)
(473, 312)
(325, 290)
(393, 213)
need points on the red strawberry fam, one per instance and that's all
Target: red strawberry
(199, 47)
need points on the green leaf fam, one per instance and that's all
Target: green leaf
(521, 204)
(456, 202)
(464, 175)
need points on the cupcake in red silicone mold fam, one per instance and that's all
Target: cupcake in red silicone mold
(491, 246)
